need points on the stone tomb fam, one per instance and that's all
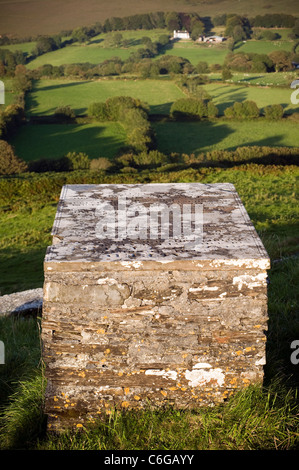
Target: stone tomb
(154, 294)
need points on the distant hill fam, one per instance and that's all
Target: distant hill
(31, 17)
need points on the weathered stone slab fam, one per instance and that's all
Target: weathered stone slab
(22, 303)
(143, 309)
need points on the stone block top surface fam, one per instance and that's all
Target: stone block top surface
(154, 226)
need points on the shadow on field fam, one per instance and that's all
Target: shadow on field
(271, 141)
(32, 102)
(62, 85)
(50, 141)
(231, 97)
(189, 137)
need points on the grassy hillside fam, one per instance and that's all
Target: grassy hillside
(101, 48)
(55, 140)
(196, 137)
(47, 95)
(225, 95)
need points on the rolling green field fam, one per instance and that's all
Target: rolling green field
(47, 95)
(105, 139)
(196, 137)
(100, 48)
(74, 53)
(225, 95)
(34, 142)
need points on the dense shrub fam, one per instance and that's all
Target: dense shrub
(10, 119)
(132, 114)
(273, 112)
(226, 74)
(242, 110)
(101, 164)
(98, 111)
(65, 113)
(188, 108)
(150, 159)
(248, 62)
(77, 161)
(45, 165)
(117, 106)
(9, 163)
(212, 110)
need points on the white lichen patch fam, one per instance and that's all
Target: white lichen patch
(250, 281)
(167, 374)
(131, 264)
(201, 377)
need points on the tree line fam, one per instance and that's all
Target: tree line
(190, 21)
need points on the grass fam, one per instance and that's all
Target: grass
(254, 418)
(24, 235)
(74, 54)
(196, 137)
(274, 80)
(225, 95)
(47, 95)
(198, 53)
(264, 47)
(55, 140)
(26, 47)
(105, 139)
(99, 49)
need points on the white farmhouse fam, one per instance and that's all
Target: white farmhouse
(181, 35)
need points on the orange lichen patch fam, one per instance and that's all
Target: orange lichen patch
(125, 404)
(127, 390)
(101, 331)
(164, 393)
(137, 397)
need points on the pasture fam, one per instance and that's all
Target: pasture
(101, 48)
(47, 95)
(34, 142)
(196, 137)
(225, 95)
(76, 53)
